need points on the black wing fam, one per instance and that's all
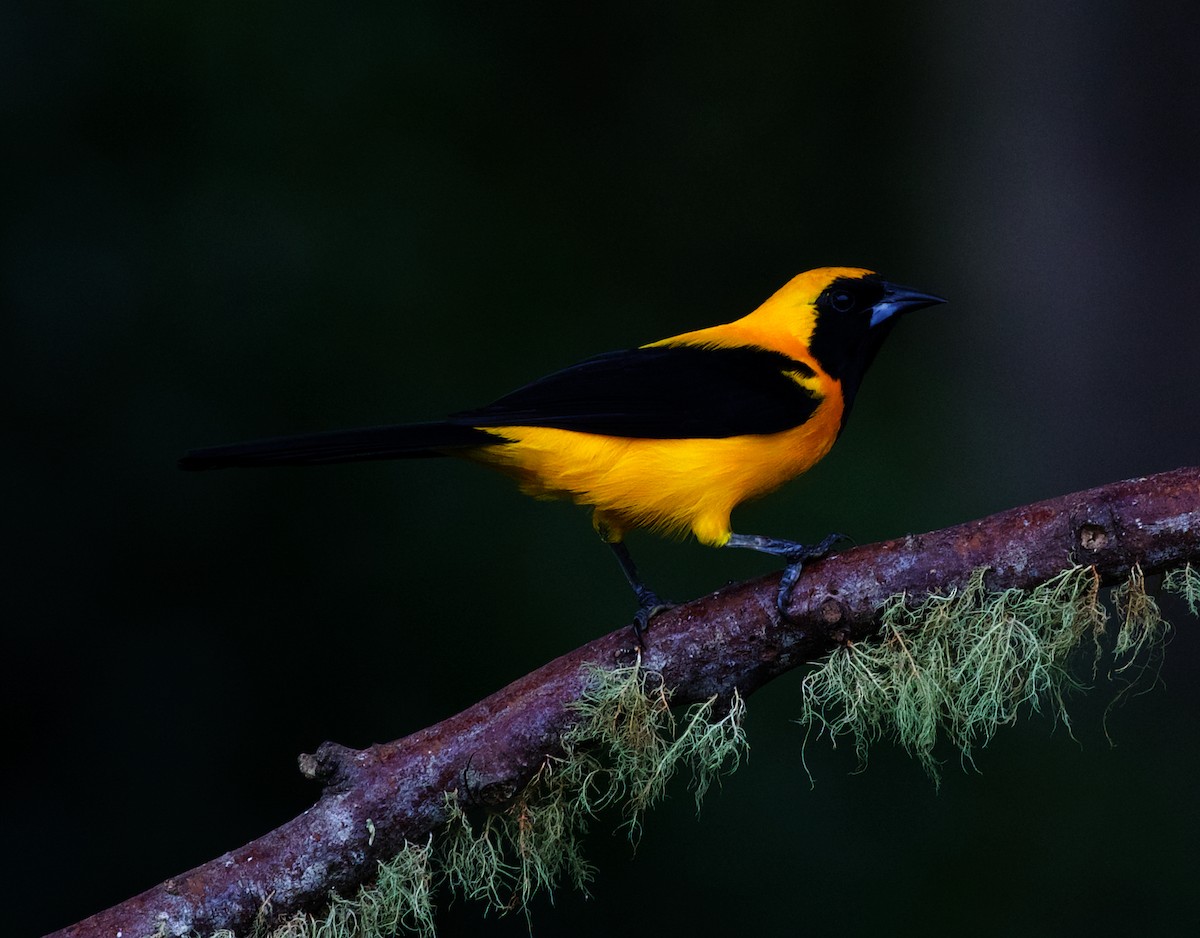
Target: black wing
(669, 392)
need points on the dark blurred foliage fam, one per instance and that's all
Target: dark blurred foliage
(232, 220)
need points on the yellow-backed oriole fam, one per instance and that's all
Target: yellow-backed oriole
(670, 436)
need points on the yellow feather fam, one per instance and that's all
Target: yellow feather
(676, 485)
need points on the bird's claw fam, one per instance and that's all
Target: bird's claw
(796, 560)
(649, 605)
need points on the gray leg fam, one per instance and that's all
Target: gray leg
(649, 604)
(796, 555)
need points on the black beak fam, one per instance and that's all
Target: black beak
(898, 299)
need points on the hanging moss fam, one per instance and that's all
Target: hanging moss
(950, 667)
(622, 752)
(955, 667)
(398, 902)
(1185, 582)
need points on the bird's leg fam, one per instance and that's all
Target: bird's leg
(649, 605)
(796, 555)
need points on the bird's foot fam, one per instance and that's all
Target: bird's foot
(796, 558)
(649, 605)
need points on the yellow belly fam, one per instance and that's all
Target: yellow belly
(670, 486)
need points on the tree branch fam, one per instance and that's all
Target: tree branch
(724, 641)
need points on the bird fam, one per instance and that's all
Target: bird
(670, 436)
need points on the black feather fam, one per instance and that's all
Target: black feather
(666, 392)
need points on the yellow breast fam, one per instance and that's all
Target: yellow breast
(668, 485)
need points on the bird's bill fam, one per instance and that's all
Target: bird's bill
(899, 299)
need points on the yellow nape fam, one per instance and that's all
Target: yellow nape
(783, 323)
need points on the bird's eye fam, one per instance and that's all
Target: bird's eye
(847, 297)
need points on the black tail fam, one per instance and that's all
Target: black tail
(405, 441)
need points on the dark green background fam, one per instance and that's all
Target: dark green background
(230, 220)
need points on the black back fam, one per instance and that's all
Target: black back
(668, 392)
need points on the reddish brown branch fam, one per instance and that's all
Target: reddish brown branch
(712, 645)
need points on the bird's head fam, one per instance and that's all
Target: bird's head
(842, 315)
(855, 309)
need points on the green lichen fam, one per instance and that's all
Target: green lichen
(510, 855)
(623, 750)
(1142, 626)
(713, 745)
(950, 667)
(955, 667)
(1185, 582)
(400, 901)
(627, 713)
